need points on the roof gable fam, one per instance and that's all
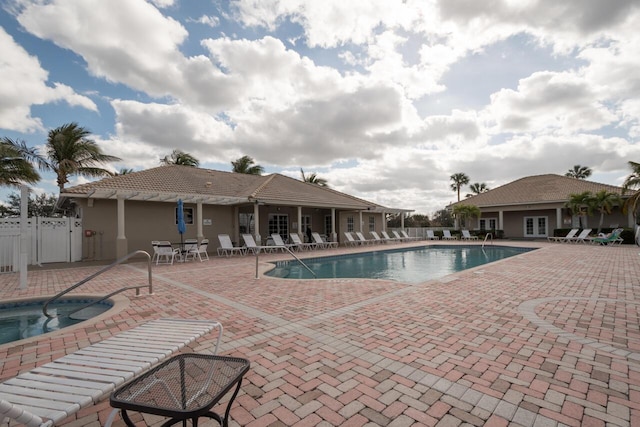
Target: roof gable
(549, 188)
(171, 182)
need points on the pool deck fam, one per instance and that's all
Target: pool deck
(546, 338)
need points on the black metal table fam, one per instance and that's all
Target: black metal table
(184, 387)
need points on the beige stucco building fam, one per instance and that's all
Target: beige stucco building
(532, 207)
(126, 212)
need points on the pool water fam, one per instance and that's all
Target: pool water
(410, 265)
(24, 319)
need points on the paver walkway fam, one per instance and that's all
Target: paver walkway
(550, 337)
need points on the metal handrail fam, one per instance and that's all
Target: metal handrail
(485, 239)
(96, 274)
(292, 254)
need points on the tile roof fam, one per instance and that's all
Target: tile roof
(548, 188)
(170, 182)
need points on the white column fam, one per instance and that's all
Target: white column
(256, 221)
(558, 217)
(24, 217)
(360, 220)
(334, 235)
(199, 234)
(384, 221)
(501, 220)
(402, 220)
(300, 231)
(121, 239)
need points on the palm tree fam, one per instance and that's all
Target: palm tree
(465, 212)
(178, 157)
(244, 165)
(579, 172)
(580, 204)
(604, 201)
(632, 183)
(459, 179)
(124, 171)
(71, 152)
(313, 179)
(15, 163)
(478, 188)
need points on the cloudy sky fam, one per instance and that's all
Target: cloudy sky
(383, 98)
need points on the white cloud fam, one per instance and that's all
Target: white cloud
(127, 41)
(23, 83)
(289, 104)
(563, 102)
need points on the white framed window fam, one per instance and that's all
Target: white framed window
(488, 223)
(372, 223)
(350, 224)
(536, 226)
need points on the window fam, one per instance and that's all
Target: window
(306, 223)
(279, 223)
(488, 223)
(350, 224)
(372, 223)
(188, 215)
(327, 225)
(535, 226)
(246, 223)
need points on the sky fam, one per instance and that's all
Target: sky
(385, 99)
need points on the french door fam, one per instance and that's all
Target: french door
(535, 226)
(279, 223)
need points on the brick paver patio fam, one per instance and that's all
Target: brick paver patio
(550, 337)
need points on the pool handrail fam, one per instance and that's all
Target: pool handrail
(96, 274)
(293, 255)
(485, 239)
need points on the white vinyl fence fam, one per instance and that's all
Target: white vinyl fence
(48, 240)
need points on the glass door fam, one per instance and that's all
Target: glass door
(535, 226)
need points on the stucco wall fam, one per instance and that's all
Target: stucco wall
(144, 222)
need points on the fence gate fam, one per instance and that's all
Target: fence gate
(59, 240)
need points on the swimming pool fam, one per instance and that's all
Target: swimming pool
(24, 319)
(410, 265)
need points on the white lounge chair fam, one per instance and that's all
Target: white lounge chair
(431, 236)
(227, 248)
(350, 240)
(376, 237)
(323, 243)
(446, 235)
(398, 236)
(295, 238)
(467, 236)
(252, 247)
(281, 245)
(569, 235)
(406, 236)
(166, 253)
(56, 390)
(363, 240)
(580, 238)
(199, 251)
(388, 238)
